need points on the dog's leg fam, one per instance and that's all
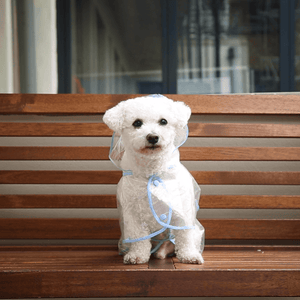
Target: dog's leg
(139, 253)
(166, 249)
(185, 247)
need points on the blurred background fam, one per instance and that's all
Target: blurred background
(149, 46)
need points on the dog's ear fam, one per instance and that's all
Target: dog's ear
(114, 117)
(182, 113)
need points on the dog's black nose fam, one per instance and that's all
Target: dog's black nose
(152, 139)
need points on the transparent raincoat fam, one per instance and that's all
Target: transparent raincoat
(165, 202)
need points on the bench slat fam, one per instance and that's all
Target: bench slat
(250, 202)
(109, 201)
(60, 177)
(58, 201)
(83, 228)
(243, 130)
(58, 103)
(200, 104)
(196, 130)
(186, 153)
(247, 178)
(113, 177)
(54, 153)
(54, 129)
(240, 153)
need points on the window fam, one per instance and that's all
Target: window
(149, 46)
(228, 46)
(116, 47)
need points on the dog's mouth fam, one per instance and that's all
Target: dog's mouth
(150, 149)
(153, 147)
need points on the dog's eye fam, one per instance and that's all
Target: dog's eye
(137, 123)
(163, 122)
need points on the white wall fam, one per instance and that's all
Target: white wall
(46, 46)
(6, 48)
(45, 41)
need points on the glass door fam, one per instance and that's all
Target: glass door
(116, 46)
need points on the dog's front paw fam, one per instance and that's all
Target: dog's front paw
(132, 258)
(194, 257)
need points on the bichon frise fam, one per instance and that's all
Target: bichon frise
(157, 196)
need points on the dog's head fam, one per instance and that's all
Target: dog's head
(148, 125)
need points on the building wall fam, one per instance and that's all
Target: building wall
(44, 54)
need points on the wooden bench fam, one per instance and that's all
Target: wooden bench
(58, 223)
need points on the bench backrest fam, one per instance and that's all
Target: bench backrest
(57, 183)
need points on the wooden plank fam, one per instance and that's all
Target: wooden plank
(68, 258)
(236, 229)
(58, 103)
(75, 228)
(113, 177)
(58, 201)
(240, 153)
(243, 130)
(243, 257)
(83, 228)
(241, 104)
(109, 201)
(246, 178)
(200, 104)
(59, 260)
(112, 246)
(196, 130)
(146, 283)
(54, 153)
(249, 202)
(186, 153)
(60, 177)
(210, 250)
(54, 129)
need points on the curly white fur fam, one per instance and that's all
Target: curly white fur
(149, 127)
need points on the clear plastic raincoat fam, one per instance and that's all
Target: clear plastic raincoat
(166, 202)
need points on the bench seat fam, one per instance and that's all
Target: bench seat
(98, 271)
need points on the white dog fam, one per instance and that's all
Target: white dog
(157, 196)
